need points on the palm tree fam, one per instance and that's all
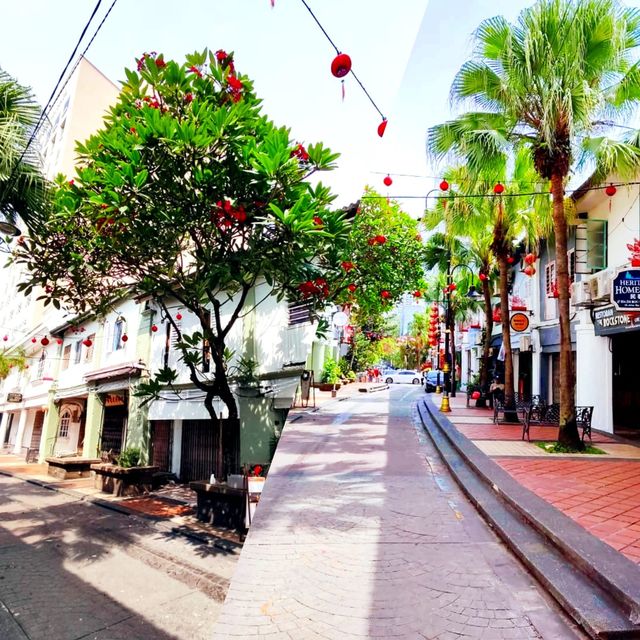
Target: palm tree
(551, 83)
(22, 186)
(498, 224)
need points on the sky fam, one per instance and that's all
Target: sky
(405, 52)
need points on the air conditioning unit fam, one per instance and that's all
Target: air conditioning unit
(581, 293)
(600, 286)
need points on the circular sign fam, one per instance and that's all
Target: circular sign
(519, 322)
(340, 319)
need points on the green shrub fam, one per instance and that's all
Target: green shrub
(330, 372)
(130, 457)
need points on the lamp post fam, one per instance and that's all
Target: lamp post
(9, 230)
(448, 367)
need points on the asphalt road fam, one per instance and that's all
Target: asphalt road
(70, 570)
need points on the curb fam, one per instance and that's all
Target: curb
(182, 530)
(596, 585)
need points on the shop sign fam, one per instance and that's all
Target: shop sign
(625, 292)
(519, 322)
(608, 320)
(14, 397)
(113, 400)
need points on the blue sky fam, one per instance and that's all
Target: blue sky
(405, 52)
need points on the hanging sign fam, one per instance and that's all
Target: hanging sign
(607, 321)
(14, 397)
(113, 400)
(625, 292)
(519, 322)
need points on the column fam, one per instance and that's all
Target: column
(536, 357)
(138, 427)
(17, 449)
(594, 373)
(176, 451)
(49, 429)
(93, 425)
(4, 425)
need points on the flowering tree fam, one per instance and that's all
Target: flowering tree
(189, 192)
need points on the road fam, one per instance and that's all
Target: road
(70, 570)
(362, 533)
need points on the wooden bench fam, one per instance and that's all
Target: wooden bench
(550, 415)
(521, 403)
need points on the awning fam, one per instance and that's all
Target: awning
(173, 407)
(79, 391)
(496, 340)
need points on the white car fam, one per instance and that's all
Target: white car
(403, 376)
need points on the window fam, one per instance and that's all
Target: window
(550, 278)
(77, 351)
(597, 244)
(571, 256)
(63, 428)
(66, 356)
(88, 354)
(299, 313)
(118, 331)
(43, 357)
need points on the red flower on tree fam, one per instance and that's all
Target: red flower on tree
(348, 266)
(352, 287)
(195, 70)
(234, 83)
(317, 220)
(385, 294)
(221, 55)
(301, 153)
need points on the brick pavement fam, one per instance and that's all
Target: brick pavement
(361, 533)
(70, 570)
(601, 493)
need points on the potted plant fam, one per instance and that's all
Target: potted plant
(126, 477)
(330, 378)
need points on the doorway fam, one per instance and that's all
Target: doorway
(113, 429)
(626, 383)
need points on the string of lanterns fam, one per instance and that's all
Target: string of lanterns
(341, 66)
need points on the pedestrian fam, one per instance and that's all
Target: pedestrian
(376, 374)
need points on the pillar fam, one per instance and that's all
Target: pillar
(17, 449)
(93, 425)
(176, 451)
(4, 425)
(49, 429)
(594, 373)
(536, 365)
(138, 425)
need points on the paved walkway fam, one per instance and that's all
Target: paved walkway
(361, 533)
(600, 492)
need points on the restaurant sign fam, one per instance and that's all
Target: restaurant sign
(625, 292)
(14, 397)
(608, 320)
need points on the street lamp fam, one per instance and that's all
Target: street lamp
(449, 389)
(9, 230)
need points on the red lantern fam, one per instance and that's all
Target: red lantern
(45, 341)
(382, 127)
(125, 337)
(87, 343)
(444, 186)
(59, 341)
(452, 286)
(5, 338)
(529, 270)
(610, 191)
(498, 188)
(482, 276)
(510, 259)
(530, 258)
(388, 181)
(178, 316)
(384, 294)
(154, 328)
(352, 287)
(417, 294)
(33, 340)
(475, 395)
(341, 65)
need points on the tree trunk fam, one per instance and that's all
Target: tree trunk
(509, 397)
(568, 432)
(488, 323)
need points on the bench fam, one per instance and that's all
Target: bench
(550, 415)
(521, 403)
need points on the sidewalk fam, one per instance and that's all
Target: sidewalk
(599, 492)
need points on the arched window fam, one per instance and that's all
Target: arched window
(63, 428)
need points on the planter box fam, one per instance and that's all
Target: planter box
(327, 386)
(221, 505)
(71, 467)
(121, 481)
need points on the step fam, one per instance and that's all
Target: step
(595, 584)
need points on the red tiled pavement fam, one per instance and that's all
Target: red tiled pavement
(601, 495)
(514, 432)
